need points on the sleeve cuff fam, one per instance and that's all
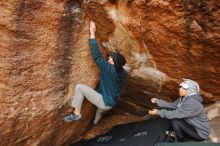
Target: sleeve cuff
(158, 112)
(157, 101)
(92, 41)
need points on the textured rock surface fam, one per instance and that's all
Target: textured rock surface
(42, 49)
(44, 53)
(213, 113)
(168, 41)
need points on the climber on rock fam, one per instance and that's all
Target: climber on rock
(186, 114)
(112, 79)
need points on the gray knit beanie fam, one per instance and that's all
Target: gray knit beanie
(190, 86)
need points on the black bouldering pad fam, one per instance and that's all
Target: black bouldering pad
(144, 133)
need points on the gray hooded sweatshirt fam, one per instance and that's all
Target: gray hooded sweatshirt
(190, 109)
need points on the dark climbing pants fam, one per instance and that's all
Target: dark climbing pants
(184, 130)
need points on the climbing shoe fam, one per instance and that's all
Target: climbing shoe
(171, 133)
(72, 117)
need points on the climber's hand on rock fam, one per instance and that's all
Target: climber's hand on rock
(92, 29)
(153, 112)
(154, 100)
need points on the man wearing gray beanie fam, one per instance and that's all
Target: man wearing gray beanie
(187, 116)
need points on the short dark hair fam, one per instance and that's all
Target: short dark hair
(118, 58)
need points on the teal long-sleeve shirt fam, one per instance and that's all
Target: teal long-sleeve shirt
(110, 82)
